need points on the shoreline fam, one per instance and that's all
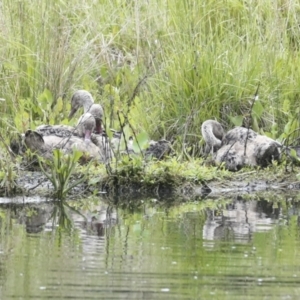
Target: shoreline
(216, 184)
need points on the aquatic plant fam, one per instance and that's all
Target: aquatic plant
(8, 175)
(61, 168)
(9, 170)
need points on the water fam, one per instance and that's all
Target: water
(211, 249)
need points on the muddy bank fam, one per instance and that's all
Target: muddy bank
(35, 186)
(251, 182)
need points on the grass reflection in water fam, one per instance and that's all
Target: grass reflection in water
(213, 249)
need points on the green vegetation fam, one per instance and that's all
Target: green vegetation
(201, 60)
(155, 176)
(161, 67)
(8, 175)
(61, 168)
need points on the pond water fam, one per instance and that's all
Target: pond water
(210, 249)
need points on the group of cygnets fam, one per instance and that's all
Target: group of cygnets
(88, 136)
(237, 148)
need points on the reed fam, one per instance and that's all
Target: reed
(199, 59)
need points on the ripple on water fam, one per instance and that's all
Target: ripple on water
(191, 251)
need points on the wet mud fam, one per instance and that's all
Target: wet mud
(35, 187)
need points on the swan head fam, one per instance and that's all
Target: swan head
(86, 125)
(213, 133)
(36, 143)
(80, 98)
(97, 111)
(33, 140)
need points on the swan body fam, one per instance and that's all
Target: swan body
(86, 136)
(83, 129)
(97, 146)
(83, 98)
(102, 142)
(239, 147)
(158, 149)
(80, 137)
(44, 145)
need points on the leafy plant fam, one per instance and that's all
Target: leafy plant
(61, 168)
(8, 175)
(195, 67)
(9, 169)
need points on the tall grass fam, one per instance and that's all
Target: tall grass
(202, 59)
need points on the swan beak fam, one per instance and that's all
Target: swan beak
(87, 136)
(72, 113)
(98, 128)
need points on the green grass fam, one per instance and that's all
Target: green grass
(194, 60)
(202, 60)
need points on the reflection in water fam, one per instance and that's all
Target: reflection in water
(239, 220)
(58, 214)
(97, 222)
(202, 250)
(33, 216)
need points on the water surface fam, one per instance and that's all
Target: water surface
(209, 249)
